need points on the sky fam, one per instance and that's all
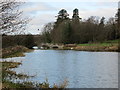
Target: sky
(42, 12)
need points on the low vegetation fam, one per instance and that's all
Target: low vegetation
(9, 77)
(111, 45)
(14, 51)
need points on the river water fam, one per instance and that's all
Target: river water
(81, 69)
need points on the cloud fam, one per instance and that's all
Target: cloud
(33, 7)
(72, 0)
(106, 12)
(33, 29)
(39, 22)
(43, 19)
(43, 13)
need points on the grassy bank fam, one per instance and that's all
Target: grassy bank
(111, 45)
(8, 74)
(106, 43)
(14, 51)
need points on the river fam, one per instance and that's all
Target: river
(81, 69)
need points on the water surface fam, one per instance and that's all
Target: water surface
(81, 69)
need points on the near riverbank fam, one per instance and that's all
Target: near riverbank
(10, 77)
(14, 51)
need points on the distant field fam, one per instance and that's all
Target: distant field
(106, 43)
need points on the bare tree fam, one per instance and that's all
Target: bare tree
(46, 33)
(11, 20)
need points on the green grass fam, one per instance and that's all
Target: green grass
(106, 43)
(112, 41)
(96, 44)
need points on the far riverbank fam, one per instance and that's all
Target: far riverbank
(108, 46)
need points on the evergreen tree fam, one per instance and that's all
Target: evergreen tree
(63, 14)
(118, 23)
(76, 14)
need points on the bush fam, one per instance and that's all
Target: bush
(13, 40)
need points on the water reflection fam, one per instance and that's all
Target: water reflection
(81, 69)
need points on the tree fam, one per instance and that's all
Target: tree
(76, 14)
(75, 27)
(60, 26)
(102, 21)
(118, 22)
(111, 29)
(118, 17)
(11, 20)
(29, 41)
(63, 14)
(65, 32)
(101, 34)
(73, 30)
(46, 33)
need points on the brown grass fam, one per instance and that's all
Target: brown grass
(13, 51)
(96, 48)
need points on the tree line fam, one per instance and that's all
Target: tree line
(76, 30)
(13, 40)
(12, 21)
(65, 30)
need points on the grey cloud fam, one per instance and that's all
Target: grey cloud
(42, 19)
(106, 12)
(73, 1)
(34, 7)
